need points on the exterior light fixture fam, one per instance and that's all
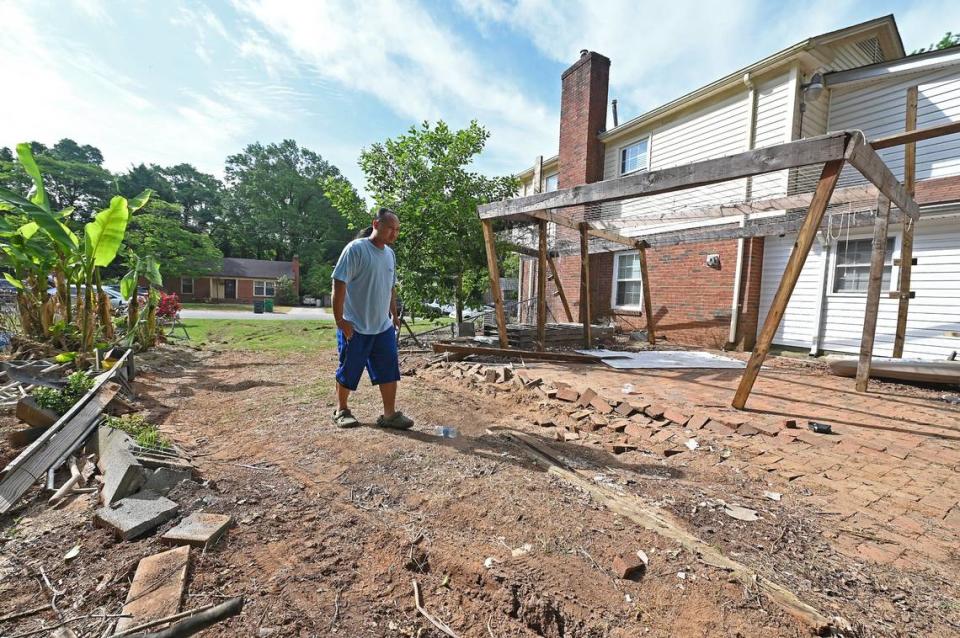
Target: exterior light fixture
(813, 88)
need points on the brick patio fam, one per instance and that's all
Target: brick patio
(890, 473)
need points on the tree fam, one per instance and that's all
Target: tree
(73, 176)
(949, 39)
(182, 251)
(424, 176)
(198, 194)
(275, 206)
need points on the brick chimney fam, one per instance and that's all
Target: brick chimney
(583, 115)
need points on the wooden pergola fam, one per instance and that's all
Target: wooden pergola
(833, 151)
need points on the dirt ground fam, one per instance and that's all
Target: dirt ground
(333, 526)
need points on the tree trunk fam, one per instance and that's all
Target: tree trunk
(459, 297)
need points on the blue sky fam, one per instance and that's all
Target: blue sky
(193, 81)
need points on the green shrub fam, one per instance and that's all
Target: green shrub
(143, 432)
(78, 384)
(283, 292)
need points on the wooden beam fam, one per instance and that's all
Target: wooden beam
(813, 150)
(586, 316)
(528, 355)
(801, 248)
(917, 135)
(873, 293)
(647, 303)
(866, 160)
(563, 220)
(906, 234)
(538, 174)
(542, 288)
(494, 269)
(850, 194)
(559, 285)
(529, 252)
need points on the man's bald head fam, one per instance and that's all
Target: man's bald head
(386, 227)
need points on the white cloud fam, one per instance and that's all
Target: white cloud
(398, 54)
(924, 24)
(94, 103)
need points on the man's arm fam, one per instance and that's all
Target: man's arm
(339, 296)
(393, 308)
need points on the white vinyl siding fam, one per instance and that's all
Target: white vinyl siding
(934, 312)
(878, 108)
(773, 126)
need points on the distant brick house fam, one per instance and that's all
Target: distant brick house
(239, 281)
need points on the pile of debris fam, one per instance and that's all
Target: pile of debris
(131, 483)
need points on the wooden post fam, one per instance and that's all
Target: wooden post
(909, 226)
(645, 284)
(585, 314)
(873, 292)
(495, 290)
(556, 282)
(801, 248)
(542, 287)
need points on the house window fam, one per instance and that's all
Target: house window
(851, 271)
(627, 291)
(550, 183)
(186, 285)
(263, 288)
(634, 157)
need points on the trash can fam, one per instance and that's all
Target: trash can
(268, 305)
(258, 307)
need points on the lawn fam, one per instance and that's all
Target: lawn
(308, 335)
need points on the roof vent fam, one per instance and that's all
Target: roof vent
(583, 53)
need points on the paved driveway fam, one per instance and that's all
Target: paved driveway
(295, 313)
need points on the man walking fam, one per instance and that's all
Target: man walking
(365, 307)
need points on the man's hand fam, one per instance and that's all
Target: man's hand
(347, 328)
(396, 323)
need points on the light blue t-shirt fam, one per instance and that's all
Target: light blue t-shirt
(370, 274)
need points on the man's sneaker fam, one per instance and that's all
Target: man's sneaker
(396, 422)
(344, 419)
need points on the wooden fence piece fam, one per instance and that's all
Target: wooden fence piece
(528, 355)
(865, 159)
(494, 269)
(917, 135)
(559, 285)
(873, 293)
(647, 302)
(906, 234)
(563, 220)
(586, 316)
(801, 248)
(662, 523)
(542, 286)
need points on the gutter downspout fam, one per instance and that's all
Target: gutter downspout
(738, 272)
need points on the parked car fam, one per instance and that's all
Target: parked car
(470, 313)
(116, 299)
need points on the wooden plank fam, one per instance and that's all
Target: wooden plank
(542, 287)
(801, 248)
(529, 252)
(813, 150)
(917, 135)
(559, 285)
(529, 355)
(850, 194)
(873, 293)
(157, 587)
(647, 302)
(586, 316)
(664, 524)
(906, 234)
(494, 269)
(866, 160)
(66, 436)
(563, 220)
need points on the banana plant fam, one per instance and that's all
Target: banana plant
(148, 268)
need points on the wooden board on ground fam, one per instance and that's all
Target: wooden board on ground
(510, 353)
(916, 370)
(157, 587)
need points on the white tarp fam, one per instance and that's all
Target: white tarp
(665, 359)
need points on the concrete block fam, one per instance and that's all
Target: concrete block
(199, 529)
(123, 474)
(164, 479)
(587, 396)
(32, 414)
(137, 515)
(157, 588)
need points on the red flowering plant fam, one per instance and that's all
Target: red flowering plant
(169, 306)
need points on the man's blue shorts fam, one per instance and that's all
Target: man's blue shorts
(377, 353)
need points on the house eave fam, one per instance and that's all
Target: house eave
(910, 64)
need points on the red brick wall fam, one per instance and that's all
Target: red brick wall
(583, 114)
(245, 290)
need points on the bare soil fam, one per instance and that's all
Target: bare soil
(333, 526)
